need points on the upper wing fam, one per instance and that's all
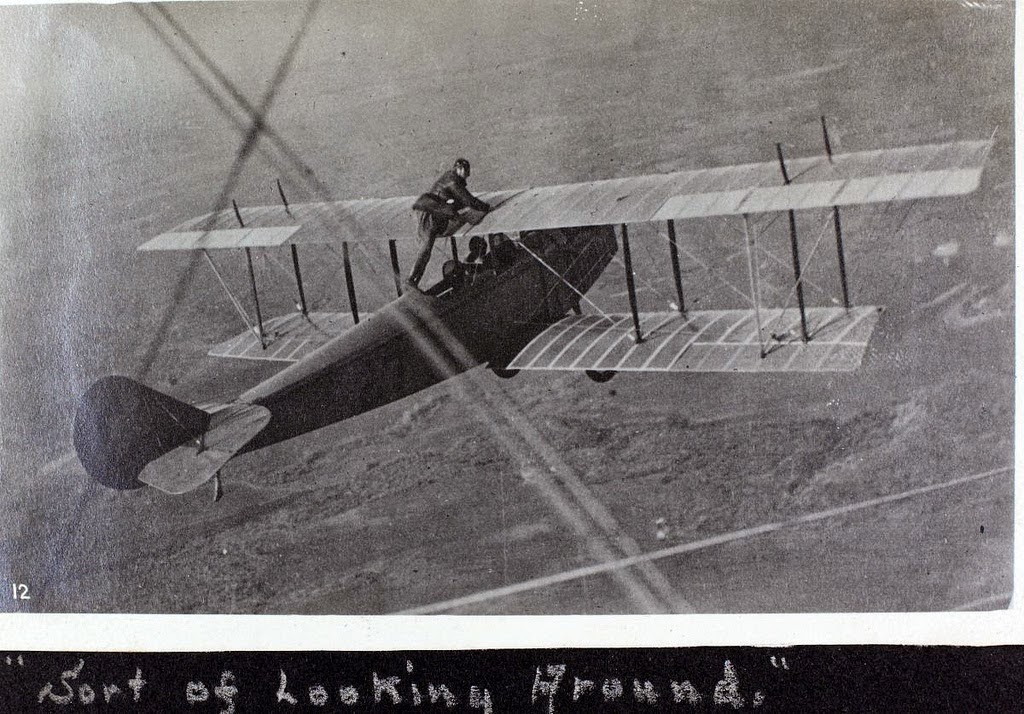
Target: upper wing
(862, 177)
(866, 177)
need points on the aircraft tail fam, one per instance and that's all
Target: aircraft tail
(128, 435)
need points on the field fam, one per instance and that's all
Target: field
(445, 498)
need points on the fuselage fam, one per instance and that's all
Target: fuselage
(422, 339)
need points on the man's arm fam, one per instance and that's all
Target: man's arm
(463, 196)
(436, 205)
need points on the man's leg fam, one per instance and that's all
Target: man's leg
(429, 231)
(420, 266)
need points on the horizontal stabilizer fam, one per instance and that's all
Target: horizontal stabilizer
(195, 462)
(863, 177)
(287, 338)
(704, 341)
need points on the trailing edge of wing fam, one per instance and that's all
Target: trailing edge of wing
(704, 341)
(287, 338)
(862, 177)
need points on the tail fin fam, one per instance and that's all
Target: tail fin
(128, 435)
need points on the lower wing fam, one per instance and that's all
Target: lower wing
(705, 341)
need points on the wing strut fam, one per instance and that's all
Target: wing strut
(824, 133)
(255, 297)
(395, 270)
(673, 249)
(838, 225)
(349, 285)
(284, 199)
(630, 287)
(295, 255)
(795, 250)
(252, 280)
(298, 281)
(841, 255)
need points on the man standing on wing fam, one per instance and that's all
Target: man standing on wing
(438, 212)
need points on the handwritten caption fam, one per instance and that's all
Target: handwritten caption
(554, 688)
(727, 691)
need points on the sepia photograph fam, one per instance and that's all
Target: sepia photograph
(570, 307)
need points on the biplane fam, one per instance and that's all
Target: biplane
(517, 306)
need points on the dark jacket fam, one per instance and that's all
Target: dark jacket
(449, 186)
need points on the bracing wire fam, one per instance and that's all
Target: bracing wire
(559, 276)
(653, 285)
(761, 231)
(807, 261)
(234, 300)
(707, 268)
(275, 263)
